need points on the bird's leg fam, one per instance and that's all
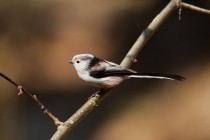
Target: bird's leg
(96, 93)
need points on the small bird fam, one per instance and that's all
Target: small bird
(105, 74)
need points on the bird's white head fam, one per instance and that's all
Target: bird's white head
(82, 62)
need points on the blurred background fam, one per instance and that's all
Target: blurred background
(39, 37)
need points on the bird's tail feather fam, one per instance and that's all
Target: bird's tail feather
(157, 76)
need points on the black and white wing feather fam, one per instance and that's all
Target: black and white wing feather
(102, 68)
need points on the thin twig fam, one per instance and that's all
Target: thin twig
(195, 8)
(34, 97)
(180, 10)
(127, 61)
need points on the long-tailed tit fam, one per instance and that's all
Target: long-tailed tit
(105, 74)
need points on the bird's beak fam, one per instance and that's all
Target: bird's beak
(71, 62)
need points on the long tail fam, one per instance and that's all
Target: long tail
(157, 76)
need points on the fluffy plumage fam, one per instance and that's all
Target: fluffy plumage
(105, 74)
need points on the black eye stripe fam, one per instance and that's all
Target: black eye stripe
(86, 58)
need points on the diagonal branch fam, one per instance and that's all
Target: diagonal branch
(127, 61)
(34, 97)
(195, 8)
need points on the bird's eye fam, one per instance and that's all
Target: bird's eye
(77, 61)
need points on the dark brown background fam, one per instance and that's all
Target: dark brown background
(38, 38)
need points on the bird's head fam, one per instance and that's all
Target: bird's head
(82, 61)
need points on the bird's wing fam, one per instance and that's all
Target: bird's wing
(105, 68)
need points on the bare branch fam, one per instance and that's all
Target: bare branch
(93, 102)
(127, 61)
(148, 32)
(195, 8)
(34, 97)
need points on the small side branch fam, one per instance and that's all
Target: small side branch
(35, 99)
(194, 8)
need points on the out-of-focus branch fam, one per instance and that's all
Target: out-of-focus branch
(35, 99)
